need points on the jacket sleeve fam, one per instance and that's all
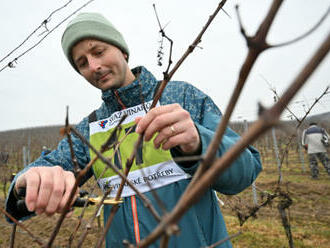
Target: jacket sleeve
(207, 116)
(62, 157)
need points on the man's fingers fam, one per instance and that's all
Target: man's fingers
(183, 134)
(57, 191)
(174, 126)
(45, 191)
(159, 123)
(172, 142)
(20, 182)
(153, 114)
(69, 181)
(137, 119)
(160, 119)
(182, 140)
(32, 181)
(166, 133)
(47, 188)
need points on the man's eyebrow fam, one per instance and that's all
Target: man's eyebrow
(94, 46)
(76, 61)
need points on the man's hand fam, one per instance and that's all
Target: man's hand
(174, 126)
(47, 189)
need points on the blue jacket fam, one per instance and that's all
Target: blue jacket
(203, 224)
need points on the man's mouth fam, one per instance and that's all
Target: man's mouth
(102, 77)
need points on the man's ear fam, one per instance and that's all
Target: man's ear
(125, 56)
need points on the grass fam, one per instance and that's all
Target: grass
(309, 213)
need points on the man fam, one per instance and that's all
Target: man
(45, 151)
(182, 124)
(314, 140)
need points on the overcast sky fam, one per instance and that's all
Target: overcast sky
(37, 91)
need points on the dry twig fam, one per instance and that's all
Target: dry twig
(267, 119)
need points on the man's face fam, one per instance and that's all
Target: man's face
(101, 64)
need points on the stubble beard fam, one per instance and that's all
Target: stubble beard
(116, 82)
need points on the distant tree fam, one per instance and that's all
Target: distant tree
(4, 156)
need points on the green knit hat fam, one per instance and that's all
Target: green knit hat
(91, 25)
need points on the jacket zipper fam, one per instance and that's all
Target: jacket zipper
(133, 199)
(135, 219)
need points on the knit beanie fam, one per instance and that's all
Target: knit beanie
(91, 25)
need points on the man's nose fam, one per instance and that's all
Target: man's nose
(94, 64)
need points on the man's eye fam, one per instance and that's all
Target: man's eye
(82, 64)
(98, 52)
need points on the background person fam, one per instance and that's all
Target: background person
(316, 149)
(45, 151)
(183, 123)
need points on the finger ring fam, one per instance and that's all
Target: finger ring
(173, 129)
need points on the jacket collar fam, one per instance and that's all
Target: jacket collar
(131, 95)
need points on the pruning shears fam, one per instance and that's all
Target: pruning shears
(79, 202)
